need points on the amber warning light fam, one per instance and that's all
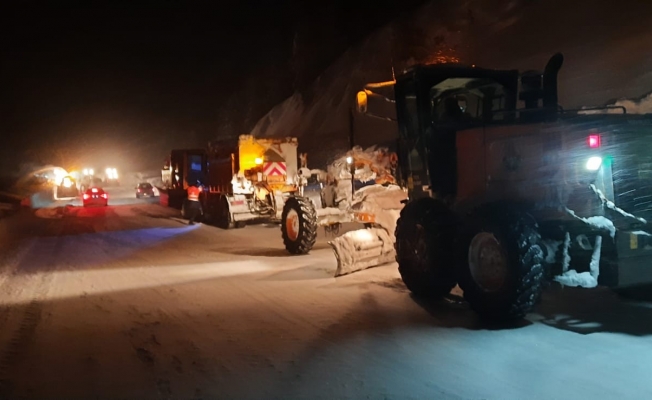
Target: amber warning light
(594, 141)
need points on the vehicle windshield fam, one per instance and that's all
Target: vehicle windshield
(468, 100)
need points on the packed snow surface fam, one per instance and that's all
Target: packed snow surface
(127, 303)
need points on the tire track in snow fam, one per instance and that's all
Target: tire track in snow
(28, 316)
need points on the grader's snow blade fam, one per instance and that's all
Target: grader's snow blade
(362, 249)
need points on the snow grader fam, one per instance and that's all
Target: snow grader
(508, 191)
(262, 179)
(335, 201)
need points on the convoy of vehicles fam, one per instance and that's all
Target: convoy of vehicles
(263, 180)
(492, 197)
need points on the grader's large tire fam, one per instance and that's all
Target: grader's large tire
(299, 225)
(500, 263)
(425, 237)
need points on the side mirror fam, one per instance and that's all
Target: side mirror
(361, 102)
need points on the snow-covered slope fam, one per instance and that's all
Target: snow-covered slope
(605, 53)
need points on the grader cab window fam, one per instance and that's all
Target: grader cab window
(456, 100)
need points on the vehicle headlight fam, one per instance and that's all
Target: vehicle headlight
(594, 163)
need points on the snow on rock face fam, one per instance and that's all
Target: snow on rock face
(320, 115)
(362, 249)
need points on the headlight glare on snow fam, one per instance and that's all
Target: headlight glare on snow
(594, 163)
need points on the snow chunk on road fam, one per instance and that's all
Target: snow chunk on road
(51, 213)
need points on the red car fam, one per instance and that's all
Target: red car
(95, 197)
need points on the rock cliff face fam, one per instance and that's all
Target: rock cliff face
(606, 55)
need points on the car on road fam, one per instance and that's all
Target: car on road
(144, 189)
(95, 196)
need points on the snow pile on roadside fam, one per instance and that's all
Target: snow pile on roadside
(50, 213)
(362, 249)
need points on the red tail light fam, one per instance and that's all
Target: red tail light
(86, 196)
(594, 141)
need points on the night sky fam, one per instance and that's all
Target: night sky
(121, 82)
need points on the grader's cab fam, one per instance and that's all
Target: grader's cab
(433, 102)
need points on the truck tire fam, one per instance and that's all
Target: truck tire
(500, 264)
(425, 237)
(299, 225)
(223, 219)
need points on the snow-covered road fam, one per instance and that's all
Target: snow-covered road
(126, 302)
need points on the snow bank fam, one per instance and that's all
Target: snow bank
(51, 213)
(362, 249)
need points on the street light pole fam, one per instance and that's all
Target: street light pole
(349, 161)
